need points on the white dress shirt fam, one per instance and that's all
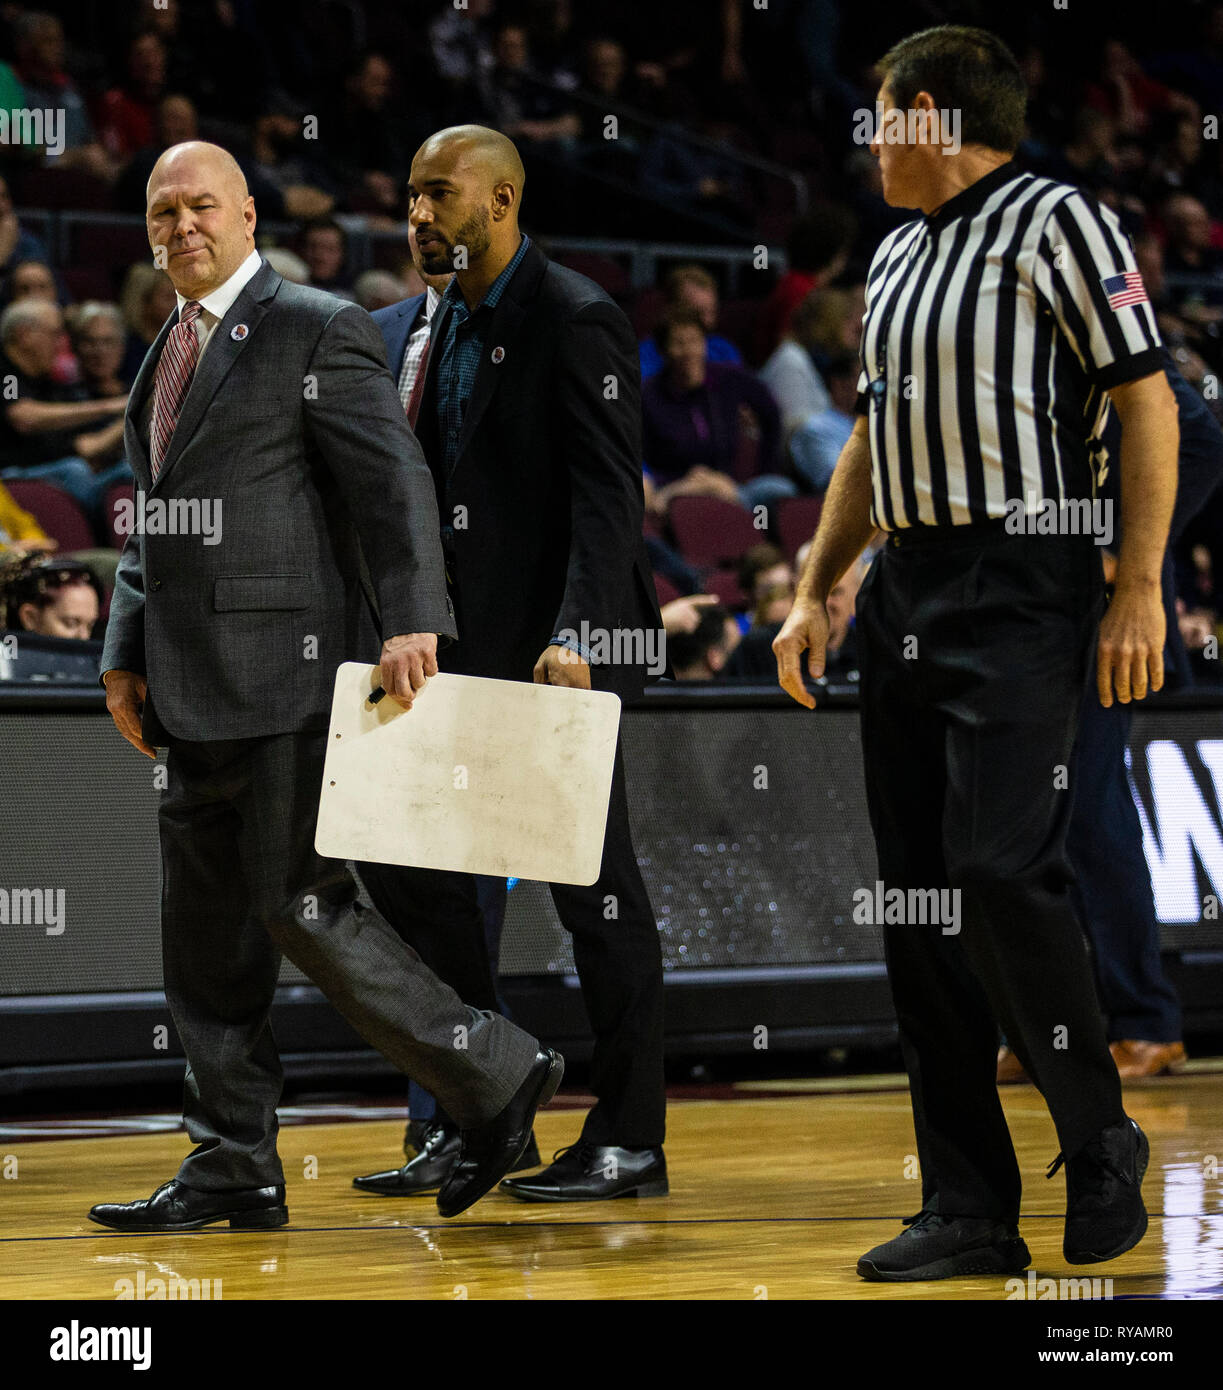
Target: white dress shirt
(219, 302)
(213, 308)
(418, 341)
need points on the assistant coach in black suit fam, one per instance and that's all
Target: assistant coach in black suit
(272, 403)
(530, 420)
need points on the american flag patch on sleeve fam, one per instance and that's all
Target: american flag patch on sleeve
(1124, 289)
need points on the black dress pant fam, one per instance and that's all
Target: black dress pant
(615, 948)
(242, 884)
(975, 650)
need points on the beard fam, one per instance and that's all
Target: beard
(472, 234)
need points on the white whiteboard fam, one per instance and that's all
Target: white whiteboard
(484, 776)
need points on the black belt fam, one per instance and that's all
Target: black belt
(974, 533)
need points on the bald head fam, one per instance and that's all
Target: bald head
(486, 152)
(466, 186)
(201, 217)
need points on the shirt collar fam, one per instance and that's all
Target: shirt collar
(972, 198)
(218, 302)
(432, 299)
(454, 296)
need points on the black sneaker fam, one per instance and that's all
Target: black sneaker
(945, 1247)
(1105, 1215)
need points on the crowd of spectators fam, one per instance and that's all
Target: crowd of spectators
(746, 402)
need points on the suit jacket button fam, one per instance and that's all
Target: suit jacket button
(155, 584)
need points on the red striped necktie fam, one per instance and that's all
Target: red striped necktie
(418, 387)
(173, 380)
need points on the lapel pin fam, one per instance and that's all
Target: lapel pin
(498, 354)
(238, 332)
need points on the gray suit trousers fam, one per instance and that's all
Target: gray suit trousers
(242, 884)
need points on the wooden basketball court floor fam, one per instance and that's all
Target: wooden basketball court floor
(774, 1194)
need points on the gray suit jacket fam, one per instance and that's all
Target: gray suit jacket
(296, 429)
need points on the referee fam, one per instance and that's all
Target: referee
(1002, 325)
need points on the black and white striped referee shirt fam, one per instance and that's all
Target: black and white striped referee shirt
(993, 329)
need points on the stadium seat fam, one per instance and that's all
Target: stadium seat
(797, 518)
(70, 189)
(725, 583)
(738, 322)
(107, 248)
(605, 271)
(121, 492)
(647, 310)
(665, 590)
(709, 531)
(58, 514)
(86, 282)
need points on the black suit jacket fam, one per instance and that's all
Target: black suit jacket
(542, 511)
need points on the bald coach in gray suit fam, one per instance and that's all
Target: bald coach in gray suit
(272, 404)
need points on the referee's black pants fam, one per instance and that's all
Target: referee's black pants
(975, 649)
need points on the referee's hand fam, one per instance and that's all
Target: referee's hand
(1131, 648)
(805, 629)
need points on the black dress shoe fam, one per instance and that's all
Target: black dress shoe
(490, 1152)
(174, 1207)
(587, 1172)
(1105, 1214)
(944, 1247)
(439, 1152)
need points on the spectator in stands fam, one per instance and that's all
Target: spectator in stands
(817, 250)
(767, 578)
(34, 280)
(31, 280)
(605, 68)
(175, 121)
(1190, 249)
(460, 44)
(753, 659)
(39, 40)
(53, 598)
(16, 244)
(147, 301)
(47, 431)
(816, 444)
(99, 339)
(323, 245)
(1128, 96)
(20, 532)
(792, 372)
(126, 114)
(517, 100)
(552, 41)
(841, 654)
(282, 158)
(1089, 160)
(379, 289)
(366, 150)
(288, 264)
(702, 654)
(695, 287)
(695, 177)
(700, 423)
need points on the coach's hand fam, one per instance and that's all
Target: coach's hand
(125, 696)
(408, 661)
(1131, 650)
(561, 666)
(805, 629)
